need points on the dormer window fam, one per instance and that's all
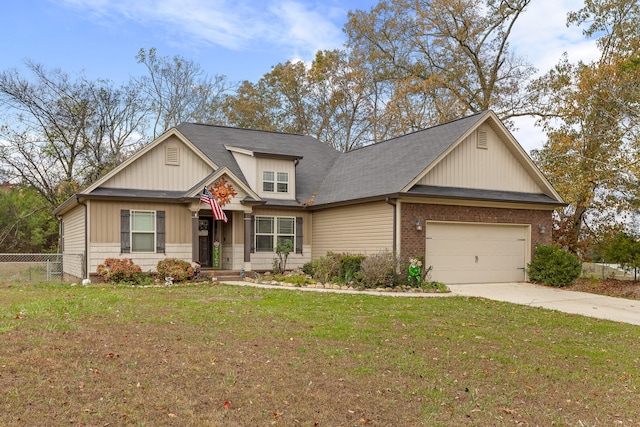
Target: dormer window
(275, 182)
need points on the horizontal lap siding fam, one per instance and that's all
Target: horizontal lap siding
(74, 241)
(365, 228)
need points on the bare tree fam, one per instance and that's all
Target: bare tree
(178, 90)
(58, 133)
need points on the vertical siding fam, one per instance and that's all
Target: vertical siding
(247, 165)
(494, 168)
(365, 228)
(105, 220)
(150, 172)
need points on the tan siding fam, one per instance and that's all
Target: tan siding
(74, 241)
(494, 168)
(150, 172)
(105, 220)
(364, 228)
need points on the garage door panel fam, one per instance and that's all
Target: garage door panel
(476, 253)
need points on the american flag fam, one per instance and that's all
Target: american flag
(207, 197)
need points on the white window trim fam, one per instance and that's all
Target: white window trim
(132, 231)
(275, 182)
(275, 233)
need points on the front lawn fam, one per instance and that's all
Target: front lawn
(238, 356)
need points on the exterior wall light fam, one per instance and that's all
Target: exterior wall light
(418, 225)
(542, 229)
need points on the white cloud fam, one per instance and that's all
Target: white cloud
(301, 27)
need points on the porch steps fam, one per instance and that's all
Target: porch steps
(224, 275)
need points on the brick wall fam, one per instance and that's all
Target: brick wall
(412, 241)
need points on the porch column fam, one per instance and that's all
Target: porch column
(247, 237)
(195, 241)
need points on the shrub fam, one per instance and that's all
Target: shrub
(179, 269)
(554, 266)
(119, 270)
(349, 267)
(380, 270)
(326, 268)
(283, 249)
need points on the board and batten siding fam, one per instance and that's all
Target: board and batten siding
(105, 221)
(365, 228)
(490, 168)
(74, 242)
(151, 171)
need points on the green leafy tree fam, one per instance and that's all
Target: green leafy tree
(625, 251)
(26, 223)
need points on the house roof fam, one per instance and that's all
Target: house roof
(387, 167)
(325, 176)
(315, 158)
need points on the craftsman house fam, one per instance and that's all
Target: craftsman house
(463, 194)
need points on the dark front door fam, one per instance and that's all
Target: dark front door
(205, 239)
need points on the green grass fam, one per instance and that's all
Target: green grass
(105, 355)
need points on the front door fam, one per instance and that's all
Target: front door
(205, 241)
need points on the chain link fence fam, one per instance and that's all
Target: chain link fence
(606, 271)
(26, 268)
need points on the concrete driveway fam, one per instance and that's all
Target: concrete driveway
(586, 304)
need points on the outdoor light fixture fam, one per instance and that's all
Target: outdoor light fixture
(418, 225)
(542, 229)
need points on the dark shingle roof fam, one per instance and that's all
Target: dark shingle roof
(317, 157)
(387, 167)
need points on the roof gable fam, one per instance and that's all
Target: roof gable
(387, 167)
(314, 158)
(145, 162)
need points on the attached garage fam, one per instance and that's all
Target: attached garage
(477, 252)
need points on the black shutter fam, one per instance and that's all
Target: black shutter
(299, 235)
(253, 234)
(125, 231)
(160, 232)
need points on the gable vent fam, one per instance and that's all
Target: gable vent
(481, 139)
(172, 156)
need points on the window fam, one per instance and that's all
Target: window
(268, 181)
(143, 231)
(270, 230)
(271, 184)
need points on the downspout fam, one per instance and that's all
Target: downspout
(86, 238)
(395, 220)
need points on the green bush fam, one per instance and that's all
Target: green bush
(380, 270)
(119, 270)
(326, 268)
(178, 269)
(554, 266)
(349, 267)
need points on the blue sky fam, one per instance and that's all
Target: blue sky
(241, 39)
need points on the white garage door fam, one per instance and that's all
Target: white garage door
(476, 253)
